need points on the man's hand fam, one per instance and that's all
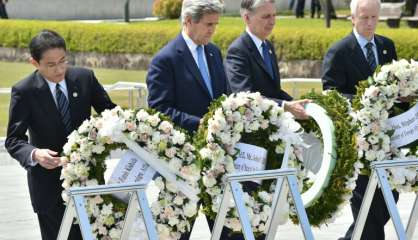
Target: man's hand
(297, 108)
(407, 99)
(47, 158)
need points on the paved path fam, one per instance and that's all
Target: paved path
(18, 222)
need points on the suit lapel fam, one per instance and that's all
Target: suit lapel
(190, 63)
(274, 63)
(381, 52)
(73, 96)
(46, 99)
(256, 54)
(210, 58)
(359, 58)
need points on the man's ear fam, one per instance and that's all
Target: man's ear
(34, 62)
(245, 16)
(188, 20)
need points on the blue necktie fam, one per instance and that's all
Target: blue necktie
(203, 69)
(370, 56)
(63, 108)
(267, 59)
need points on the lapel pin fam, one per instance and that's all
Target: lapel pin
(385, 52)
(270, 51)
(211, 54)
(75, 94)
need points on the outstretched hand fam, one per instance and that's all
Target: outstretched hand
(297, 108)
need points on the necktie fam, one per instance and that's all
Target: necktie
(370, 56)
(63, 108)
(267, 59)
(203, 69)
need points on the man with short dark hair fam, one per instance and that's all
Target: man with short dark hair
(50, 103)
(251, 62)
(347, 62)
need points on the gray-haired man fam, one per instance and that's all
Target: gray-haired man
(251, 62)
(187, 74)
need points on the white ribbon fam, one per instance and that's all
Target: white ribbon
(162, 168)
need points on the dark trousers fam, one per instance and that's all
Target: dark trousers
(315, 7)
(374, 228)
(300, 8)
(50, 223)
(3, 12)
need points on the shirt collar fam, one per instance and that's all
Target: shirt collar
(189, 42)
(362, 40)
(52, 85)
(257, 41)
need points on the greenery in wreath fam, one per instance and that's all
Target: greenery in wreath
(247, 118)
(342, 180)
(378, 98)
(89, 146)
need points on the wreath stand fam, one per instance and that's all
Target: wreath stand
(76, 209)
(379, 176)
(138, 198)
(286, 178)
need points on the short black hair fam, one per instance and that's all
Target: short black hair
(43, 41)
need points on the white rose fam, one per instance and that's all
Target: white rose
(170, 152)
(265, 196)
(190, 209)
(98, 148)
(234, 224)
(174, 164)
(171, 187)
(178, 200)
(142, 115)
(115, 233)
(163, 231)
(173, 221)
(209, 181)
(154, 120)
(178, 137)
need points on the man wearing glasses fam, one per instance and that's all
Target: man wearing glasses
(50, 103)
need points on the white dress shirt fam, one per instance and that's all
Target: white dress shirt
(257, 41)
(193, 49)
(362, 41)
(52, 88)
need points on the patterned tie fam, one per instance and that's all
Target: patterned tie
(203, 69)
(63, 108)
(370, 56)
(267, 59)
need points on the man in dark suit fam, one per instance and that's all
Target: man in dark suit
(187, 74)
(50, 103)
(251, 62)
(347, 62)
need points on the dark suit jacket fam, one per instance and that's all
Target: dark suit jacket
(246, 71)
(32, 108)
(345, 64)
(176, 87)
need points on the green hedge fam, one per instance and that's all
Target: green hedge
(293, 38)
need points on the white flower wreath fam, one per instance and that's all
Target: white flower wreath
(381, 92)
(88, 147)
(243, 115)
